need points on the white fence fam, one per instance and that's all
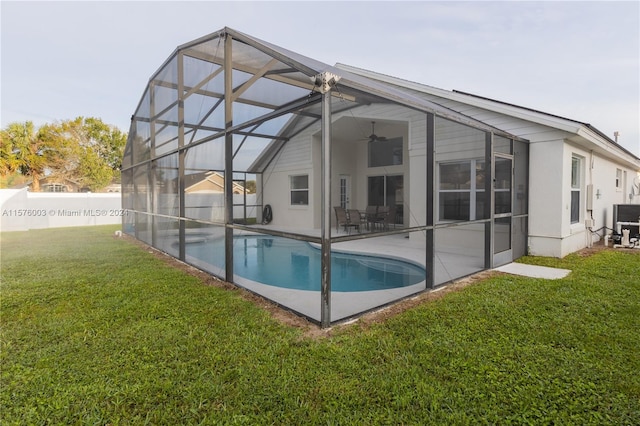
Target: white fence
(210, 206)
(21, 210)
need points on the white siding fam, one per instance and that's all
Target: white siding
(550, 230)
(552, 143)
(293, 159)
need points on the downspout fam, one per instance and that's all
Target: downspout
(589, 222)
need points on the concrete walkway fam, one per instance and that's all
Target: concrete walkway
(533, 271)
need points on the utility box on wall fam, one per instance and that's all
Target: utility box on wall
(628, 213)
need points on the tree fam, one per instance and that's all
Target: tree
(30, 151)
(84, 150)
(97, 151)
(250, 186)
(8, 159)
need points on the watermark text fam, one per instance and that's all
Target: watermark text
(64, 212)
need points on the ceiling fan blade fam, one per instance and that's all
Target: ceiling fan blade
(373, 137)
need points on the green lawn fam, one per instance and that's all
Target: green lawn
(96, 330)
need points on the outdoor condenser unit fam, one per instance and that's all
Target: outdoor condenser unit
(627, 213)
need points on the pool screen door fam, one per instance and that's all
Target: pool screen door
(503, 209)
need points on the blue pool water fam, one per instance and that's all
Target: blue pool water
(295, 264)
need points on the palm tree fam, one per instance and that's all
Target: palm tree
(8, 160)
(28, 150)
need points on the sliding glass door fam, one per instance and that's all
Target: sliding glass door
(387, 191)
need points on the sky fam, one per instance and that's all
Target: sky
(576, 59)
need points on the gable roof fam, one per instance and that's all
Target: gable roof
(209, 182)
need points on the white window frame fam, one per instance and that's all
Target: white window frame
(293, 190)
(576, 187)
(474, 190)
(55, 187)
(619, 180)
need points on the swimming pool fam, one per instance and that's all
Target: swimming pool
(293, 264)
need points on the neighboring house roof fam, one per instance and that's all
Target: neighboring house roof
(209, 182)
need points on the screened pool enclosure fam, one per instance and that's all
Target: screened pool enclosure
(327, 192)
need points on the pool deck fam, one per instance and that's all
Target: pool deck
(345, 305)
(384, 245)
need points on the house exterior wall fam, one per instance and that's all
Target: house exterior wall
(545, 195)
(551, 232)
(600, 179)
(302, 156)
(295, 158)
(573, 236)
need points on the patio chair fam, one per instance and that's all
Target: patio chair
(383, 217)
(356, 218)
(371, 213)
(342, 219)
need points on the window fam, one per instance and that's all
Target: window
(54, 187)
(460, 196)
(618, 180)
(300, 190)
(576, 172)
(385, 152)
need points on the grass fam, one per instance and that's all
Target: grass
(96, 330)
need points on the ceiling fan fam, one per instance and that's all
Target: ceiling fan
(373, 137)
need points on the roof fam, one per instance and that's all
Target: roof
(534, 115)
(601, 134)
(209, 182)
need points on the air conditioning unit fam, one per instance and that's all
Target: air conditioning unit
(628, 213)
